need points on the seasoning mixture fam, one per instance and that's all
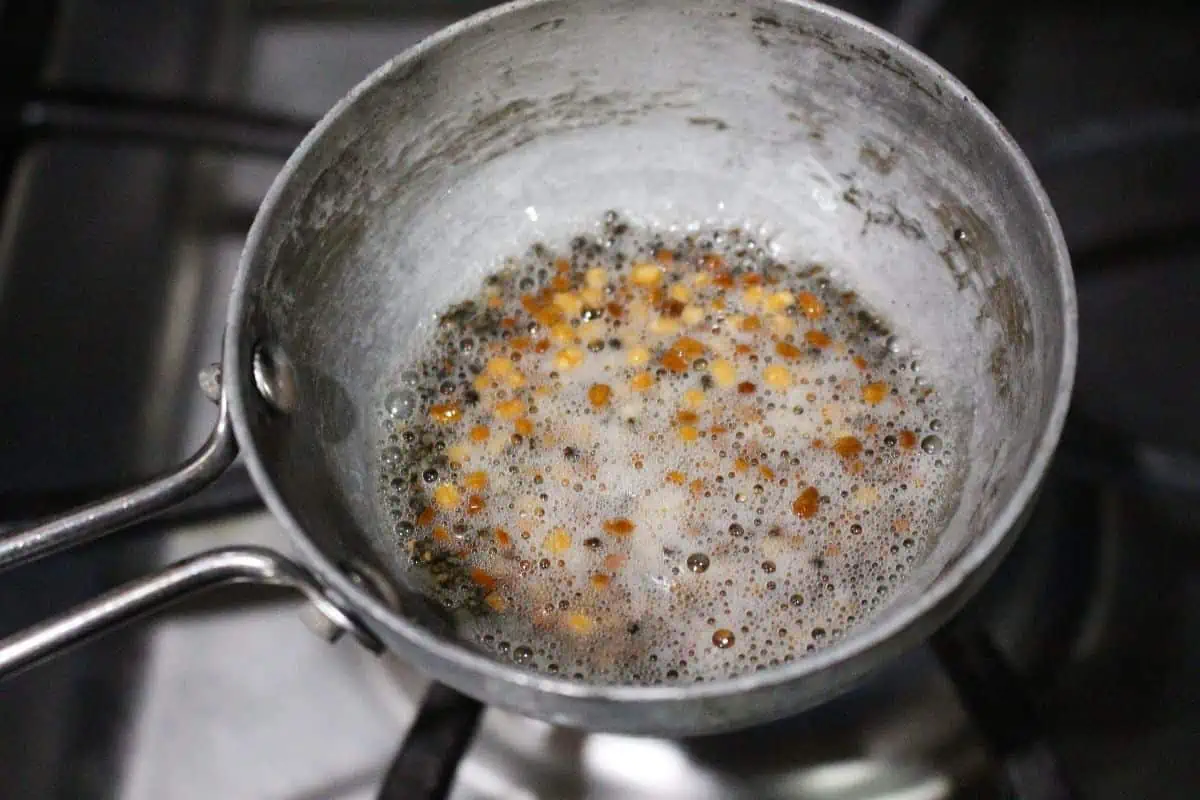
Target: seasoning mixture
(660, 457)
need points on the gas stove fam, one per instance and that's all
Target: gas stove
(138, 145)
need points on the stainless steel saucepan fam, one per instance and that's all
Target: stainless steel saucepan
(526, 122)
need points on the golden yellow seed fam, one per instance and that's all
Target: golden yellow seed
(779, 301)
(480, 433)
(618, 526)
(688, 433)
(458, 453)
(557, 541)
(636, 356)
(646, 274)
(592, 297)
(701, 279)
(596, 278)
(499, 366)
(723, 373)
(866, 495)
(679, 292)
(777, 377)
(446, 496)
(780, 325)
(562, 333)
(496, 602)
(523, 426)
(874, 393)
(664, 326)
(481, 382)
(514, 379)
(818, 339)
(570, 303)
(811, 305)
(692, 315)
(847, 446)
(599, 394)
(642, 381)
(445, 413)
(476, 480)
(581, 624)
(510, 409)
(753, 295)
(676, 477)
(693, 398)
(568, 358)
(750, 324)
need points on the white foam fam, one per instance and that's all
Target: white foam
(623, 462)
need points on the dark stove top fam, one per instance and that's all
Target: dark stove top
(137, 146)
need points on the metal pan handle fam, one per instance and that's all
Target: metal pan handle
(185, 578)
(93, 521)
(180, 580)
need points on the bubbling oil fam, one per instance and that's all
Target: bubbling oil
(656, 457)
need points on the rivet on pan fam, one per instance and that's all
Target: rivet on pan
(372, 580)
(275, 377)
(210, 381)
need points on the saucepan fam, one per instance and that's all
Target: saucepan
(523, 122)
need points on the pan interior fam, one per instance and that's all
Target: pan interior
(531, 126)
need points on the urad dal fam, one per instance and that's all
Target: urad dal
(659, 457)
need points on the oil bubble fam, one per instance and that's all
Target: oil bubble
(400, 404)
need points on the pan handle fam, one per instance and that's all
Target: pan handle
(180, 580)
(93, 521)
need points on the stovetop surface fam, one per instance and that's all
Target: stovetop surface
(115, 262)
